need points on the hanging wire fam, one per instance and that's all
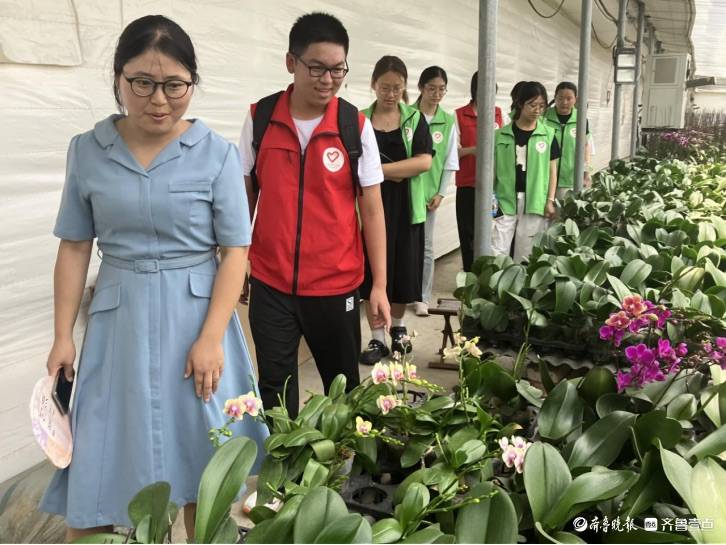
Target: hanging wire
(546, 16)
(604, 10)
(599, 41)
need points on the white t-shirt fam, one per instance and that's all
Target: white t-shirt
(370, 171)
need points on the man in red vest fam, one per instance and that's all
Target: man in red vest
(307, 250)
(466, 177)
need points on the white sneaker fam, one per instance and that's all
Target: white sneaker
(251, 500)
(421, 309)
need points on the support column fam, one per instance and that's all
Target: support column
(635, 126)
(618, 97)
(583, 84)
(485, 100)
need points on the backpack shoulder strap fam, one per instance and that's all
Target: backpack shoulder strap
(349, 127)
(260, 120)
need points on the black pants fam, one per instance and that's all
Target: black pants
(465, 197)
(331, 326)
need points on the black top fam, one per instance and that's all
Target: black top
(564, 118)
(392, 148)
(521, 139)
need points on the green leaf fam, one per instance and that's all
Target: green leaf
(319, 508)
(512, 280)
(427, 535)
(542, 277)
(621, 290)
(415, 450)
(492, 316)
(589, 488)
(279, 528)
(311, 411)
(387, 531)
(334, 419)
(565, 292)
(601, 443)
(635, 273)
(471, 451)
(546, 477)
(272, 473)
(679, 474)
(651, 487)
(495, 381)
(719, 277)
(151, 501)
(324, 450)
(690, 278)
(683, 407)
(228, 532)
(653, 426)
(416, 499)
(530, 393)
(708, 492)
(302, 436)
(561, 412)
(352, 528)
(597, 382)
(221, 481)
(713, 445)
(598, 274)
(492, 520)
(557, 537)
(103, 537)
(337, 388)
(315, 474)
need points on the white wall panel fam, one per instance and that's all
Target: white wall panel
(241, 47)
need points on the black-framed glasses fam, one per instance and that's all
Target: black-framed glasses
(142, 86)
(318, 70)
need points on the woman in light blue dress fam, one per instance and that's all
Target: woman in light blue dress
(163, 347)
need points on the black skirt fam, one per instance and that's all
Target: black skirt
(404, 247)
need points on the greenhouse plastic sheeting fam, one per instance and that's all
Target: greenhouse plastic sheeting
(241, 48)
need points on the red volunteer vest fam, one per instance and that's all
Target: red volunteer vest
(306, 239)
(466, 176)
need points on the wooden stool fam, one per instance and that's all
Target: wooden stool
(446, 308)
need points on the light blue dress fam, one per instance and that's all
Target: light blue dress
(135, 419)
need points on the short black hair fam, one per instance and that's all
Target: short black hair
(474, 85)
(526, 91)
(158, 33)
(316, 27)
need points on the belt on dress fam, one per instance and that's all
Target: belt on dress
(156, 265)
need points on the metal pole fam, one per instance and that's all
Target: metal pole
(635, 130)
(618, 98)
(583, 82)
(485, 100)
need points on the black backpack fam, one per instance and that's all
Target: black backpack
(347, 126)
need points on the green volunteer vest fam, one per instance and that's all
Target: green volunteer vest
(410, 117)
(566, 138)
(538, 169)
(441, 127)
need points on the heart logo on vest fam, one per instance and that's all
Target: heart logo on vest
(409, 133)
(437, 137)
(333, 159)
(541, 146)
(573, 132)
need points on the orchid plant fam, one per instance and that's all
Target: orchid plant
(655, 356)
(236, 408)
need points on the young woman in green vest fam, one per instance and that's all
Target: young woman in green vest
(405, 146)
(525, 180)
(435, 181)
(562, 118)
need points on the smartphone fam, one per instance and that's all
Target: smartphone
(62, 389)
